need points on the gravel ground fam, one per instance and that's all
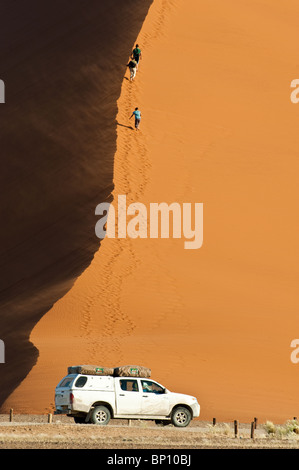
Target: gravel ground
(34, 432)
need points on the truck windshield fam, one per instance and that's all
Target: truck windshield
(66, 382)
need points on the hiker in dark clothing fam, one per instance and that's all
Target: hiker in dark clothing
(133, 69)
(136, 54)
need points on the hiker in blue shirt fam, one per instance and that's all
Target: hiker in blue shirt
(137, 115)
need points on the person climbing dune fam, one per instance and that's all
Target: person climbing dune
(137, 115)
(133, 69)
(136, 54)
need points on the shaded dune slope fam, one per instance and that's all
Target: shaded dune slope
(63, 63)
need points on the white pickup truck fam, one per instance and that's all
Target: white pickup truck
(97, 399)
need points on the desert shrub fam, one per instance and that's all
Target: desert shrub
(269, 427)
(291, 426)
(222, 429)
(289, 430)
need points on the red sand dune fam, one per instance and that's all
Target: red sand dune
(218, 127)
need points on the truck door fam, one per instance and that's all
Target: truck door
(128, 396)
(155, 401)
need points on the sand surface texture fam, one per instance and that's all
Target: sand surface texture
(218, 128)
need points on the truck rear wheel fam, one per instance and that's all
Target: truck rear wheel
(181, 417)
(100, 415)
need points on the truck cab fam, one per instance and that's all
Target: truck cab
(97, 399)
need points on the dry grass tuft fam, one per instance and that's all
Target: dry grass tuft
(290, 430)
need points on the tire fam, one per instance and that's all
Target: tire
(181, 417)
(100, 415)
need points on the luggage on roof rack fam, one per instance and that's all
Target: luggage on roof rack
(123, 371)
(132, 371)
(91, 370)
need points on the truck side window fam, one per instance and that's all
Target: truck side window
(151, 387)
(130, 385)
(66, 382)
(81, 382)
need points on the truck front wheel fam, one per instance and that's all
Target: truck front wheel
(100, 415)
(181, 417)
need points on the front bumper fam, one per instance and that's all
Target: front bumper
(195, 410)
